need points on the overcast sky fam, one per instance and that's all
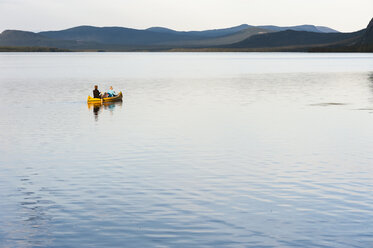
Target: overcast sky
(39, 15)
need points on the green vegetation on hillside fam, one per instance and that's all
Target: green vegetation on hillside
(32, 49)
(243, 38)
(342, 49)
(295, 38)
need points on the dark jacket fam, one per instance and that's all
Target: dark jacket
(96, 93)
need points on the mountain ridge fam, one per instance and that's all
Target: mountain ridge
(204, 33)
(367, 39)
(294, 38)
(305, 27)
(242, 37)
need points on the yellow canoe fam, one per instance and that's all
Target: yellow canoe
(106, 99)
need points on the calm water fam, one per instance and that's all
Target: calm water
(206, 150)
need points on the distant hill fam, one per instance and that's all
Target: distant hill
(154, 37)
(239, 38)
(28, 39)
(22, 38)
(115, 35)
(213, 33)
(221, 40)
(363, 43)
(228, 31)
(160, 36)
(117, 38)
(323, 29)
(294, 38)
(367, 39)
(307, 28)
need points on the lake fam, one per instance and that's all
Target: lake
(206, 150)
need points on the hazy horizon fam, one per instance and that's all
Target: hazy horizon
(41, 15)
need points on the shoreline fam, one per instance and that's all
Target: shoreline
(178, 50)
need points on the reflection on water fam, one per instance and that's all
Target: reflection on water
(370, 85)
(211, 150)
(97, 107)
(370, 80)
(325, 104)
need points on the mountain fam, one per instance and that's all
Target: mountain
(233, 38)
(213, 33)
(324, 29)
(227, 31)
(155, 37)
(115, 35)
(30, 39)
(238, 38)
(164, 37)
(162, 30)
(22, 38)
(17, 38)
(367, 39)
(290, 38)
(363, 43)
(221, 40)
(308, 28)
(118, 38)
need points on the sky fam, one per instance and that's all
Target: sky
(41, 15)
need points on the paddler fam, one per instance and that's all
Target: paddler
(96, 92)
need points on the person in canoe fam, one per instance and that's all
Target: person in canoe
(111, 92)
(96, 92)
